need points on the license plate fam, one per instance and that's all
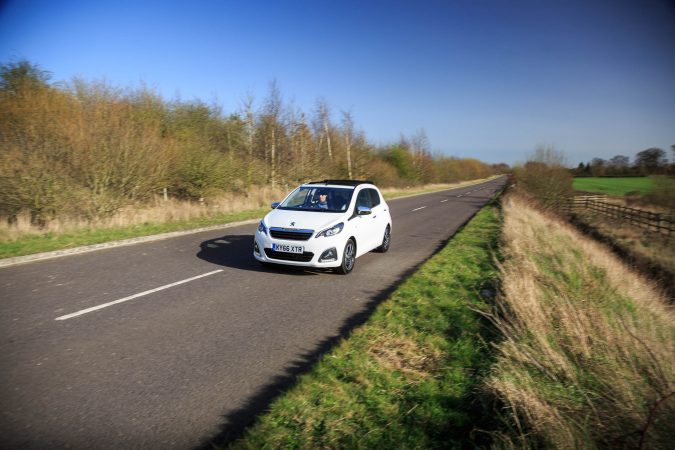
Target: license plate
(287, 248)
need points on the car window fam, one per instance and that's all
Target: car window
(363, 199)
(374, 197)
(299, 198)
(309, 198)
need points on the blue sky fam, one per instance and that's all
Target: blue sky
(490, 79)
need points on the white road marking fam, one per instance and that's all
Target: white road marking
(443, 201)
(131, 297)
(417, 209)
(459, 196)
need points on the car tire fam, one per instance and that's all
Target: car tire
(386, 241)
(348, 258)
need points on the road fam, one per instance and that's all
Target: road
(182, 342)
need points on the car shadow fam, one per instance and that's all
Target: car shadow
(236, 252)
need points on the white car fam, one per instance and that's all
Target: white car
(326, 223)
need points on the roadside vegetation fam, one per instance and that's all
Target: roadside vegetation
(587, 355)
(410, 377)
(544, 179)
(84, 151)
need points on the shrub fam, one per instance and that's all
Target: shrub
(545, 178)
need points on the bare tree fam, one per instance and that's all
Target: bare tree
(323, 118)
(419, 147)
(271, 125)
(348, 130)
(249, 125)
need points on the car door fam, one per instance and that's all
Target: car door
(379, 216)
(365, 224)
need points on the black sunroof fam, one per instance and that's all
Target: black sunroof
(342, 182)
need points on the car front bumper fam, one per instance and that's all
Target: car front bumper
(314, 249)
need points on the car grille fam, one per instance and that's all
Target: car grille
(290, 234)
(283, 256)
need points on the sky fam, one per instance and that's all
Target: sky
(489, 79)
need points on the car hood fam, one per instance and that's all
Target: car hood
(305, 220)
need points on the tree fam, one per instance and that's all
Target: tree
(619, 165)
(651, 161)
(322, 123)
(598, 167)
(348, 131)
(580, 171)
(545, 177)
(272, 129)
(249, 127)
(400, 158)
(20, 75)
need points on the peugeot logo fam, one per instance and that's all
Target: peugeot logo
(292, 224)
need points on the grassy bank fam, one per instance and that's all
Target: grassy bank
(618, 186)
(587, 360)
(37, 243)
(22, 238)
(409, 377)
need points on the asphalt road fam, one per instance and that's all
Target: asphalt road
(194, 361)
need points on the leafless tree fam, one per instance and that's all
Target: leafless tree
(323, 119)
(348, 131)
(271, 128)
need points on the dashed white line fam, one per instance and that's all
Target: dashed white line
(417, 209)
(131, 297)
(443, 201)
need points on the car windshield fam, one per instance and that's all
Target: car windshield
(318, 198)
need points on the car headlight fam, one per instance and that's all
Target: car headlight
(332, 231)
(262, 228)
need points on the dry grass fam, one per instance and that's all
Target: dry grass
(160, 212)
(587, 360)
(650, 245)
(405, 355)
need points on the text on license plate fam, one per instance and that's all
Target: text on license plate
(287, 248)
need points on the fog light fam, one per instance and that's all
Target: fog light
(329, 255)
(255, 247)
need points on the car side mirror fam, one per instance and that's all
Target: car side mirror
(275, 205)
(363, 211)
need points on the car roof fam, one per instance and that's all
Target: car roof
(351, 183)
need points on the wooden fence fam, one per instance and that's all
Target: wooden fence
(658, 222)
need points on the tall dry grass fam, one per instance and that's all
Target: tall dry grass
(587, 359)
(160, 211)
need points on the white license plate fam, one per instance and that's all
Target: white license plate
(287, 248)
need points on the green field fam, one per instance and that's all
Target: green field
(614, 186)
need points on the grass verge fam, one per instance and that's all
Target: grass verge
(37, 243)
(587, 356)
(408, 377)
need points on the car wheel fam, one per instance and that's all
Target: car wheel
(386, 241)
(348, 258)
